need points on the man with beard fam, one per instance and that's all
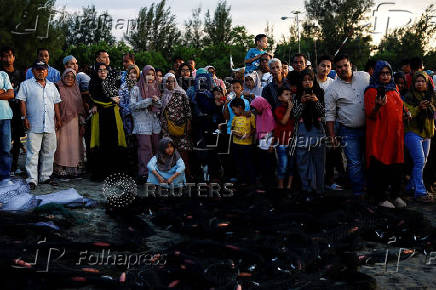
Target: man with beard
(344, 101)
(7, 56)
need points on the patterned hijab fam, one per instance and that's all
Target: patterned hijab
(131, 83)
(164, 161)
(103, 90)
(167, 94)
(374, 81)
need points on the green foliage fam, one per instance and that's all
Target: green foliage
(194, 30)
(156, 30)
(410, 41)
(240, 37)
(219, 28)
(430, 60)
(18, 18)
(337, 20)
(88, 27)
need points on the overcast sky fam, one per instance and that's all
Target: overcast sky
(254, 14)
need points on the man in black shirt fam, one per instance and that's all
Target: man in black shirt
(7, 57)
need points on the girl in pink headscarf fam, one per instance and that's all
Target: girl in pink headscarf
(265, 125)
(145, 105)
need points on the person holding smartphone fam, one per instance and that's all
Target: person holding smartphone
(309, 114)
(384, 137)
(420, 102)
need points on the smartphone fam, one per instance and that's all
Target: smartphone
(308, 91)
(381, 92)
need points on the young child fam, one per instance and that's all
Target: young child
(243, 130)
(282, 137)
(252, 59)
(166, 168)
(237, 89)
(145, 105)
(265, 125)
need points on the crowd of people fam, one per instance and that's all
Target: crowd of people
(274, 125)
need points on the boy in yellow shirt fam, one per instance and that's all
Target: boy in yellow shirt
(243, 131)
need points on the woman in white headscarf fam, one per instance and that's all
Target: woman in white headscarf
(176, 117)
(252, 86)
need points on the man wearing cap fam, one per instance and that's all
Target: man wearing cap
(6, 93)
(39, 101)
(53, 75)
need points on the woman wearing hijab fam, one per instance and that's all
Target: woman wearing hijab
(176, 117)
(265, 125)
(252, 86)
(166, 168)
(108, 141)
(132, 78)
(419, 129)
(309, 112)
(68, 159)
(145, 106)
(384, 136)
(133, 74)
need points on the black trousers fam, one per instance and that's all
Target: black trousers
(333, 160)
(243, 155)
(380, 176)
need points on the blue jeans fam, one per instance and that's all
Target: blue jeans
(5, 149)
(353, 142)
(419, 149)
(285, 163)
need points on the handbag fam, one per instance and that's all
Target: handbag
(174, 129)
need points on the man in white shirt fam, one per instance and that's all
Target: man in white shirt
(344, 101)
(39, 103)
(333, 154)
(324, 68)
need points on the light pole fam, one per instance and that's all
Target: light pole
(296, 12)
